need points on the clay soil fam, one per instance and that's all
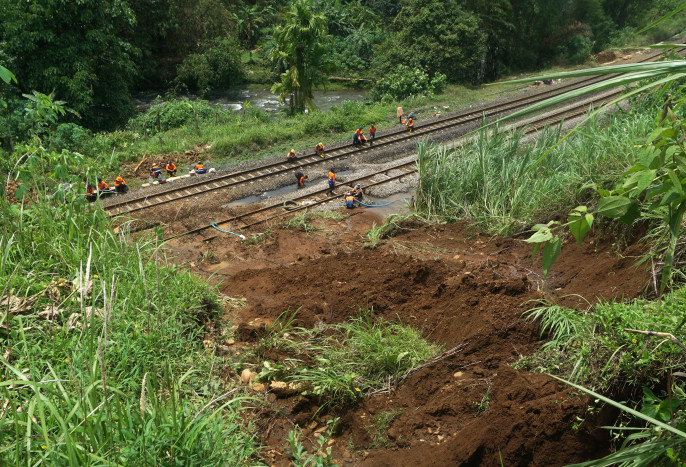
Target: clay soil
(456, 285)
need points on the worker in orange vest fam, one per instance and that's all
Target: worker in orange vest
(300, 177)
(200, 169)
(332, 181)
(372, 134)
(120, 185)
(410, 124)
(291, 157)
(349, 200)
(171, 169)
(102, 185)
(319, 149)
(90, 192)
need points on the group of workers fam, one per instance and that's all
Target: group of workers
(350, 197)
(121, 187)
(359, 138)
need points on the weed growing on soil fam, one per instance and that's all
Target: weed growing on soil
(490, 181)
(485, 402)
(321, 455)
(379, 425)
(388, 229)
(333, 215)
(597, 350)
(340, 363)
(301, 221)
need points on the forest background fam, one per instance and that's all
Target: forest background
(94, 55)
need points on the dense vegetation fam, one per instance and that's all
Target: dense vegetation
(94, 54)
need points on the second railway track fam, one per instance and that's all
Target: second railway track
(210, 182)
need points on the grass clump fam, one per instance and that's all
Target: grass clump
(102, 359)
(504, 185)
(391, 226)
(378, 427)
(595, 349)
(340, 363)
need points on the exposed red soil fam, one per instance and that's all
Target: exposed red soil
(459, 287)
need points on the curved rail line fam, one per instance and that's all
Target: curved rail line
(243, 221)
(209, 182)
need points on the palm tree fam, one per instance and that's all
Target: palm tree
(302, 43)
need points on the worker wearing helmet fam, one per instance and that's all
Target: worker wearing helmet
(357, 192)
(372, 134)
(319, 149)
(410, 124)
(171, 169)
(349, 200)
(199, 168)
(120, 185)
(291, 157)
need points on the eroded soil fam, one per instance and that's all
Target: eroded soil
(459, 287)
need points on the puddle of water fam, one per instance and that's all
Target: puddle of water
(397, 206)
(263, 197)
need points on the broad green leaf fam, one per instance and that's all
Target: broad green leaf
(581, 209)
(6, 75)
(644, 181)
(22, 190)
(613, 206)
(657, 190)
(535, 250)
(579, 226)
(676, 182)
(551, 251)
(671, 196)
(632, 213)
(541, 236)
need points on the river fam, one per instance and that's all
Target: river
(261, 99)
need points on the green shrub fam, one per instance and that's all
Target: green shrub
(406, 82)
(219, 66)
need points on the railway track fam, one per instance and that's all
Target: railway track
(246, 220)
(210, 182)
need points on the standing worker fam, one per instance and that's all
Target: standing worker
(332, 181)
(120, 186)
(319, 149)
(171, 169)
(300, 177)
(291, 156)
(372, 134)
(410, 124)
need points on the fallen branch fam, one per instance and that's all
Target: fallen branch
(659, 334)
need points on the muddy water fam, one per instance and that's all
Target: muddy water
(262, 99)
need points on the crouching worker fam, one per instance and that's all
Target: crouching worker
(357, 192)
(156, 173)
(200, 169)
(90, 192)
(291, 157)
(171, 169)
(319, 149)
(349, 200)
(120, 186)
(410, 124)
(102, 185)
(300, 177)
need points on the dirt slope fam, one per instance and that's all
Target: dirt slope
(459, 287)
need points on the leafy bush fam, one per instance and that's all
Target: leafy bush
(69, 136)
(218, 67)
(406, 82)
(173, 114)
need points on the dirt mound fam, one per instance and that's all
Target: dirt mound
(459, 287)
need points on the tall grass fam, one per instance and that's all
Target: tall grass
(489, 181)
(104, 364)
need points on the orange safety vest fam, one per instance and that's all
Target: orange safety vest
(290, 154)
(410, 122)
(301, 182)
(119, 181)
(171, 167)
(350, 198)
(198, 167)
(102, 185)
(332, 177)
(90, 190)
(358, 132)
(372, 129)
